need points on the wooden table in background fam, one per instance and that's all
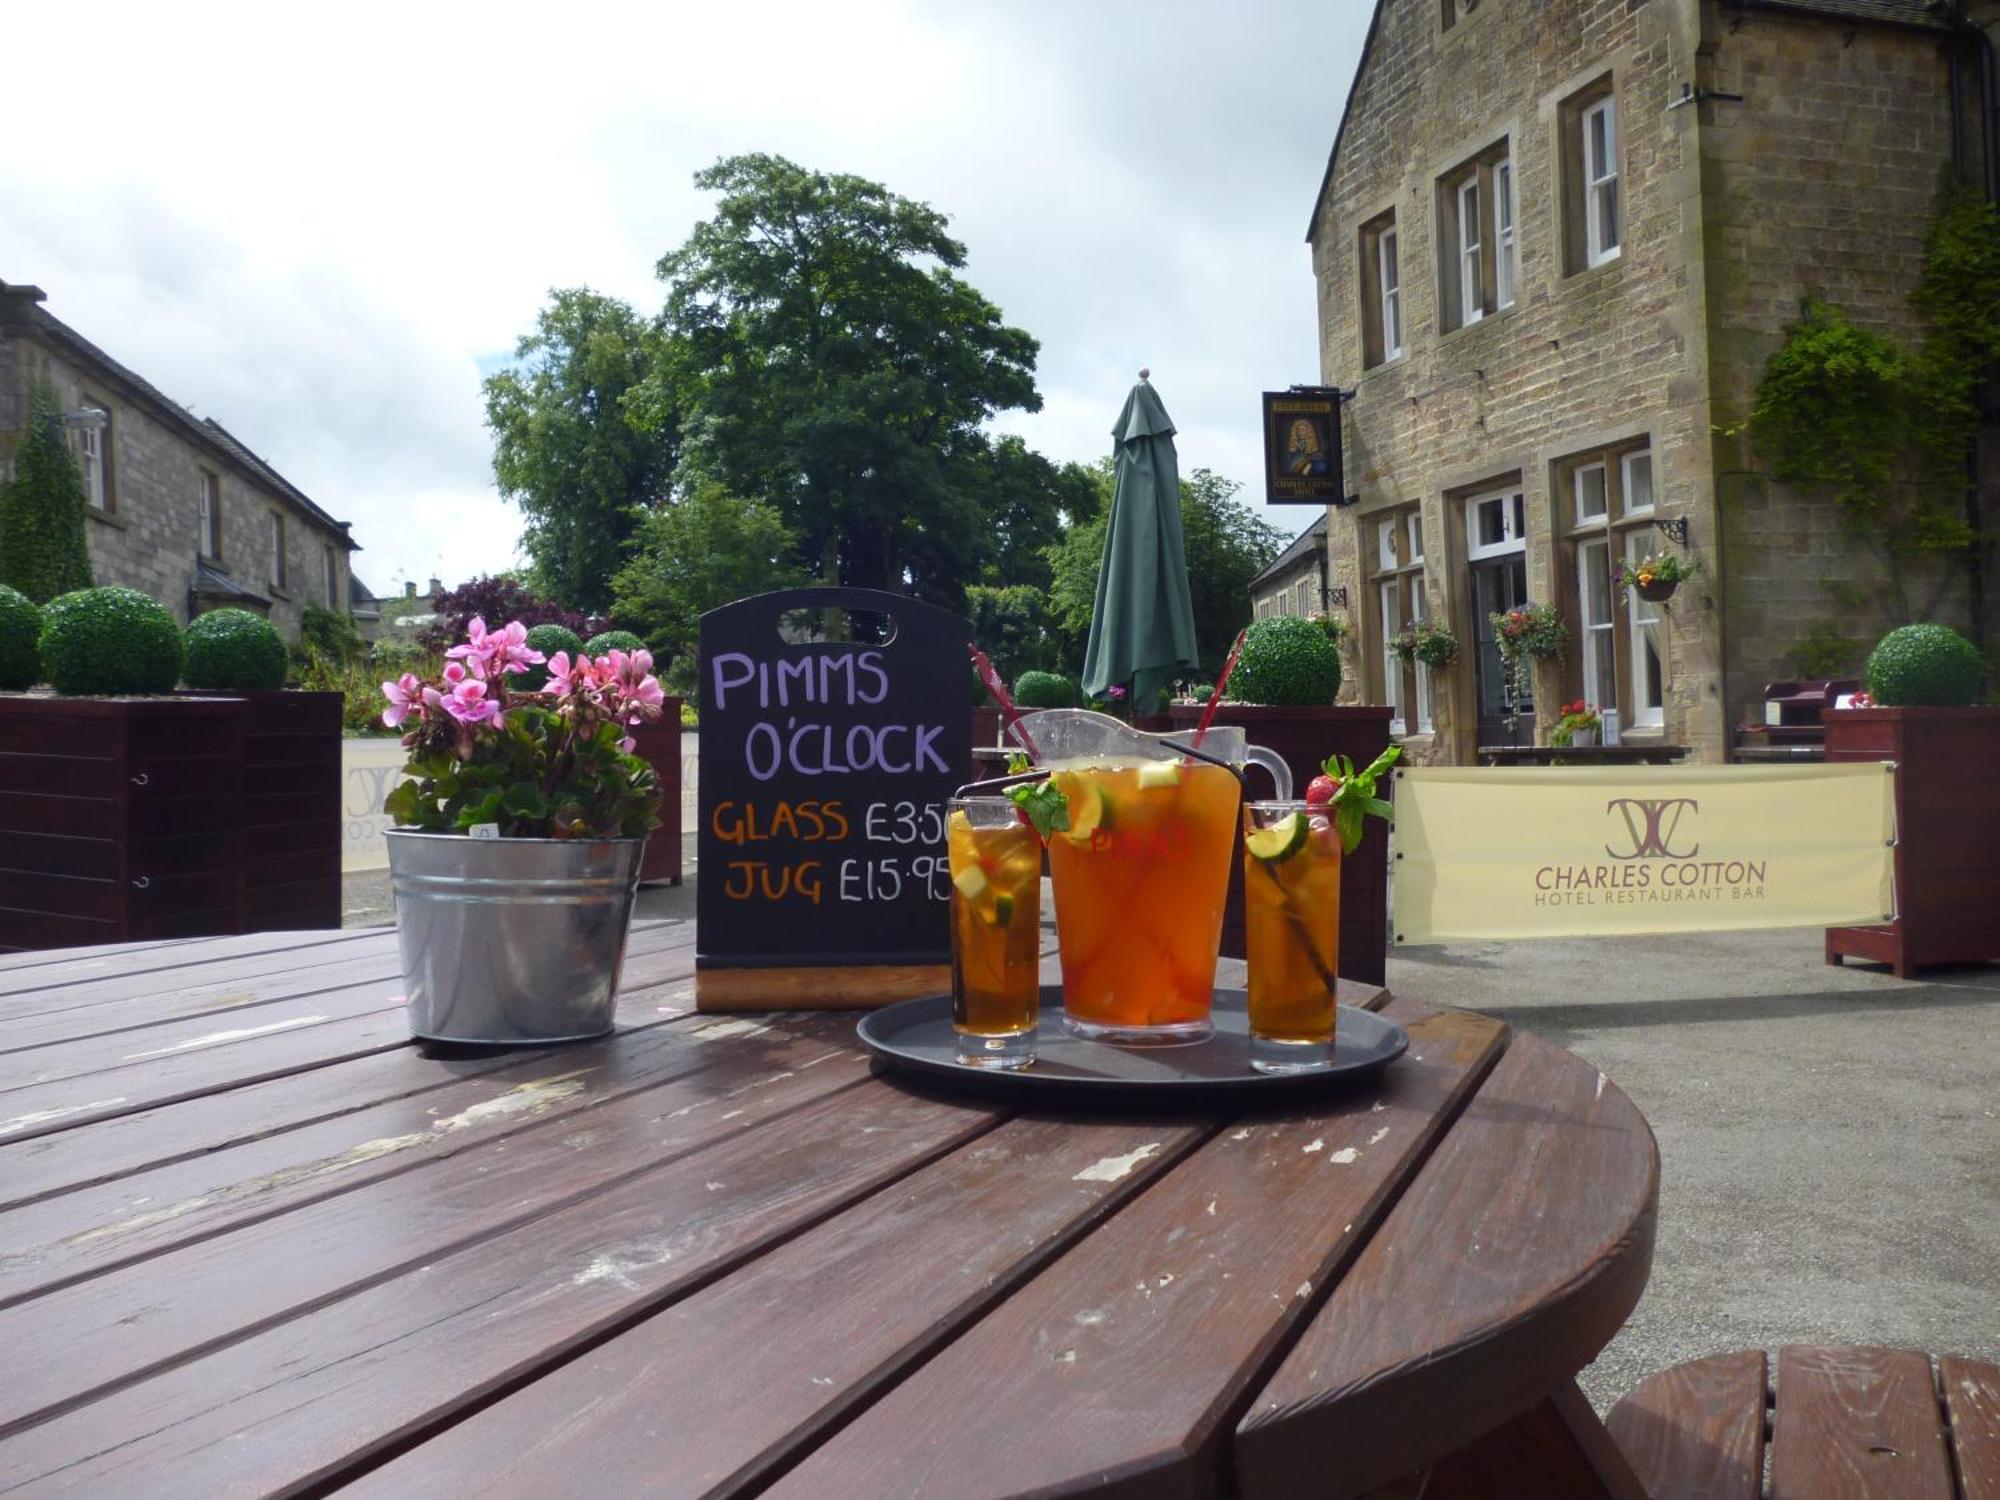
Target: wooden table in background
(251, 1239)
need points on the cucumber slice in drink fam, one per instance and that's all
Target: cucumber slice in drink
(1159, 773)
(1003, 910)
(971, 882)
(1280, 841)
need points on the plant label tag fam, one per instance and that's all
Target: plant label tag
(483, 831)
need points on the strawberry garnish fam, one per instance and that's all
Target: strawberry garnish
(1322, 791)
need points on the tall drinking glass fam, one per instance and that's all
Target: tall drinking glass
(1291, 916)
(996, 890)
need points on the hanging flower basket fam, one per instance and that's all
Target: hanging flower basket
(1654, 577)
(1427, 642)
(1525, 634)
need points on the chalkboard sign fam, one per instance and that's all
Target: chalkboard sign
(825, 768)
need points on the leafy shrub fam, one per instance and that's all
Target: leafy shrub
(613, 640)
(43, 552)
(1045, 690)
(20, 623)
(108, 641)
(359, 683)
(548, 639)
(1286, 660)
(332, 633)
(234, 651)
(497, 600)
(1924, 665)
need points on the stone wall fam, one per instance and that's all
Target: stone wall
(1581, 361)
(149, 538)
(1820, 184)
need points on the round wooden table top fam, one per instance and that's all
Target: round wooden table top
(251, 1238)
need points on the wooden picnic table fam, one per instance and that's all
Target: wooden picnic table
(254, 1240)
(1630, 753)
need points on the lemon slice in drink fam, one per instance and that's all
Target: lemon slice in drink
(1280, 841)
(1088, 809)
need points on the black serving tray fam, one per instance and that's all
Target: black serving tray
(915, 1037)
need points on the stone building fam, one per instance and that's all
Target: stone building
(179, 508)
(1295, 582)
(1555, 245)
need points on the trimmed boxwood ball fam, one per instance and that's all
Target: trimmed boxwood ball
(234, 651)
(1045, 690)
(103, 642)
(547, 639)
(1925, 665)
(1287, 661)
(606, 641)
(20, 623)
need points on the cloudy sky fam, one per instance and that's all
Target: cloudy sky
(321, 225)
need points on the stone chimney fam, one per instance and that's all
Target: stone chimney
(410, 588)
(436, 588)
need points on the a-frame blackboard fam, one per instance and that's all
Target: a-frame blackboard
(825, 768)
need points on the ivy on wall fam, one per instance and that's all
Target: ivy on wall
(1883, 426)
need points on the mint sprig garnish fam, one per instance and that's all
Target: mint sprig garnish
(1356, 798)
(1046, 807)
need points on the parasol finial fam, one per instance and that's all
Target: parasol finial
(1145, 374)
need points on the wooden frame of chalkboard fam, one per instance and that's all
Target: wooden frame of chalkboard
(825, 768)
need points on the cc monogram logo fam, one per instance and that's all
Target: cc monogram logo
(1652, 824)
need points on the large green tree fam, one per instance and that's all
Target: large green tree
(1227, 543)
(563, 449)
(825, 357)
(43, 551)
(694, 553)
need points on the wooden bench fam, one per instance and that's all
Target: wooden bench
(1842, 1424)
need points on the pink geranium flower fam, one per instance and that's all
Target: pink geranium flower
(493, 653)
(468, 703)
(406, 697)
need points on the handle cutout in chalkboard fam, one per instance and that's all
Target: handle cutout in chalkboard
(834, 625)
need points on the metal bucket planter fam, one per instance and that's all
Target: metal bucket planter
(511, 940)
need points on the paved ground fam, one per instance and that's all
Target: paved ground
(1829, 1137)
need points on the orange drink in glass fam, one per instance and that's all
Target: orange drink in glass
(1141, 875)
(1291, 916)
(996, 897)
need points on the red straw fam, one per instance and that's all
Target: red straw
(1215, 698)
(999, 691)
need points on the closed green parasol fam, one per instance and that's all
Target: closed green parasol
(1142, 629)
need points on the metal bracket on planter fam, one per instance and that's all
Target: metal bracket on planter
(1675, 527)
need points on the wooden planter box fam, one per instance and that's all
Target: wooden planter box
(660, 744)
(1947, 833)
(119, 819)
(290, 811)
(1303, 738)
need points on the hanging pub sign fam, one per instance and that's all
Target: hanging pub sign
(825, 767)
(1302, 447)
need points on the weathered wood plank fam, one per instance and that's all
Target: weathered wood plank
(1183, 1296)
(302, 1401)
(47, 1158)
(1514, 1257)
(229, 997)
(81, 1234)
(1696, 1431)
(722, 1389)
(176, 1304)
(1972, 1400)
(142, 964)
(1857, 1424)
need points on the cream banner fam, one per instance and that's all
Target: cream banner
(1537, 852)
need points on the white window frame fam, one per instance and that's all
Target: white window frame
(90, 455)
(1600, 184)
(1514, 533)
(1388, 596)
(1628, 466)
(1471, 305)
(1416, 531)
(1385, 545)
(1599, 549)
(208, 486)
(1389, 278)
(1583, 517)
(1503, 233)
(1644, 616)
(1419, 610)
